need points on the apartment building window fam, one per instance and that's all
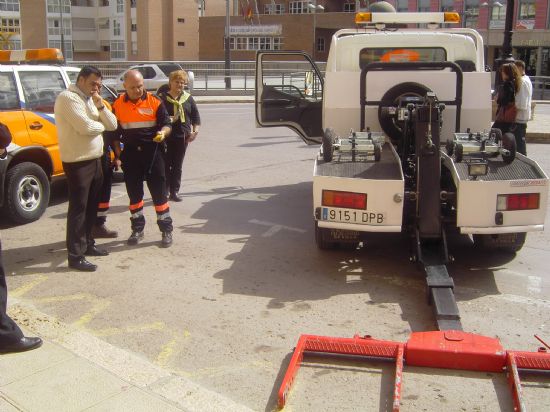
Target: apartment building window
(526, 9)
(255, 43)
(54, 6)
(349, 7)
(117, 50)
(10, 25)
(320, 44)
(298, 7)
(56, 44)
(447, 5)
(181, 44)
(274, 8)
(181, 20)
(471, 13)
(82, 3)
(9, 5)
(133, 27)
(424, 5)
(104, 3)
(120, 6)
(116, 28)
(402, 5)
(54, 27)
(133, 6)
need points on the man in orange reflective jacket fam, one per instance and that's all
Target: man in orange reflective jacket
(143, 124)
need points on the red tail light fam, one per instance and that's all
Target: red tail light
(348, 200)
(518, 201)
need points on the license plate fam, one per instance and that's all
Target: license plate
(353, 216)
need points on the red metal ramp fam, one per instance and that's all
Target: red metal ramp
(450, 349)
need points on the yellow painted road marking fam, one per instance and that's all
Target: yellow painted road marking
(21, 290)
(98, 305)
(171, 348)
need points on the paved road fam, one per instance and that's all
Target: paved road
(226, 304)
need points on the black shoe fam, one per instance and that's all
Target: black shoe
(101, 232)
(82, 264)
(21, 345)
(135, 238)
(166, 239)
(174, 197)
(93, 250)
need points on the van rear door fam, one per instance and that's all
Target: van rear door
(289, 92)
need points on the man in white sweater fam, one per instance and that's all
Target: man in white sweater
(81, 118)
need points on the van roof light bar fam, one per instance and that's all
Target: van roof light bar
(36, 56)
(405, 18)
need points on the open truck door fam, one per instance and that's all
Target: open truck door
(289, 92)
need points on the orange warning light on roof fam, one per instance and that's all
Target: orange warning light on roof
(362, 17)
(31, 56)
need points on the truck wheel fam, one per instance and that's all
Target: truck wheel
(388, 122)
(27, 192)
(377, 152)
(450, 147)
(321, 236)
(495, 135)
(329, 136)
(459, 153)
(509, 143)
(506, 242)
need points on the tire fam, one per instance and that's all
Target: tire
(388, 123)
(27, 192)
(507, 242)
(377, 152)
(450, 147)
(329, 136)
(459, 152)
(509, 143)
(495, 135)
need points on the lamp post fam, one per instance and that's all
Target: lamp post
(490, 7)
(61, 28)
(314, 7)
(226, 46)
(506, 56)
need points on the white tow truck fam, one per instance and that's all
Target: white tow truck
(403, 116)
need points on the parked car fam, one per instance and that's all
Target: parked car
(154, 76)
(27, 98)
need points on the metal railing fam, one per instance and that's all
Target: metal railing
(541, 87)
(209, 75)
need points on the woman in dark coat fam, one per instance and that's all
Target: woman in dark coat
(506, 96)
(185, 126)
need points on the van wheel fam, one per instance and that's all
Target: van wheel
(27, 192)
(377, 152)
(506, 242)
(509, 143)
(329, 136)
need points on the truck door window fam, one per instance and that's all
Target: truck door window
(9, 99)
(41, 89)
(401, 54)
(293, 78)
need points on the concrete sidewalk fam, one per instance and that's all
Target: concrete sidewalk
(76, 371)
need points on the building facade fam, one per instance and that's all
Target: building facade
(186, 30)
(309, 25)
(107, 29)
